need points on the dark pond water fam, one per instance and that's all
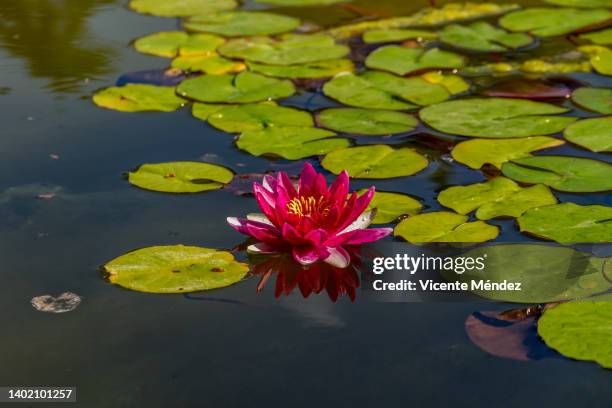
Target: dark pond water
(222, 348)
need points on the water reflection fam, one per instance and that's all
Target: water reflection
(53, 37)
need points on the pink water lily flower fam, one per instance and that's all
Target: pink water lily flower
(312, 221)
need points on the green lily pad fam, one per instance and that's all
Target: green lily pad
(393, 35)
(138, 98)
(382, 90)
(366, 121)
(162, 44)
(181, 8)
(301, 3)
(209, 64)
(546, 273)
(291, 143)
(595, 99)
(603, 37)
(243, 118)
(200, 45)
(289, 49)
(498, 197)
(593, 134)
(401, 60)
(548, 22)
(563, 173)
(204, 110)
(495, 117)
(442, 226)
(601, 58)
(175, 269)
(375, 162)
(475, 153)
(482, 36)
(581, 3)
(569, 223)
(242, 23)
(320, 69)
(242, 88)
(391, 206)
(180, 177)
(580, 330)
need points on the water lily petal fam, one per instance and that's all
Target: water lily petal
(338, 257)
(367, 235)
(292, 235)
(259, 218)
(305, 255)
(257, 230)
(316, 237)
(308, 177)
(339, 188)
(287, 184)
(362, 222)
(263, 248)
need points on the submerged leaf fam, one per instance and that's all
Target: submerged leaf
(442, 226)
(569, 223)
(175, 269)
(390, 206)
(548, 22)
(402, 60)
(138, 98)
(242, 118)
(593, 134)
(66, 302)
(291, 143)
(495, 117)
(366, 121)
(524, 88)
(242, 88)
(563, 173)
(181, 8)
(180, 177)
(482, 36)
(498, 197)
(242, 23)
(595, 99)
(375, 162)
(476, 153)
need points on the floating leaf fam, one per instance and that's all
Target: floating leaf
(242, 118)
(300, 3)
(321, 69)
(180, 177)
(204, 110)
(563, 173)
(374, 162)
(495, 117)
(402, 60)
(390, 206)
(601, 58)
(603, 37)
(569, 223)
(138, 98)
(548, 22)
(498, 197)
(580, 330)
(66, 302)
(476, 153)
(581, 3)
(181, 8)
(291, 143)
(393, 35)
(442, 226)
(209, 64)
(427, 17)
(175, 269)
(595, 99)
(381, 90)
(366, 121)
(201, 44)
(482, 36)
(289, 49)
(242, 23)
(162, 44)
(242, 88)
(593, 134)
(546, 273)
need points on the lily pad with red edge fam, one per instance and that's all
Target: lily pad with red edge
(402, 60)
(180, 177)
(595, 99)
(442, 226)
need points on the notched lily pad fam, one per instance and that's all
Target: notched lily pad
(242, 23)
(291, 143)
(563, 173)
(320, 69)
(593, 134)
(498, 197)
(242, 118)
(495, 117)
(180, 177)
(602, 37)
(398, 34)
(175, 269)
(208, 64)
(549, 22)
(484, 37)
(475, 153)
(138, 98)
(442, 226)
(366, 121)
(595, 99)
(242, 88)
(161, 44)
(569, 223)
(181, 8)
(401, 60)
(66, 302)
(390, 206)
(375, 162)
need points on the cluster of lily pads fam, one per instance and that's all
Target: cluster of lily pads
(233, 66)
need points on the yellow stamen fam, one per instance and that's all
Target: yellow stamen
(307, 206)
